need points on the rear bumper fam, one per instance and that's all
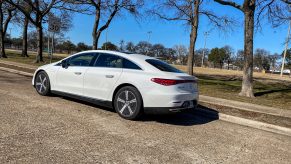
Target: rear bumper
(167, 110)
(153, 99)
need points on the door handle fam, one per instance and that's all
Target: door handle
(78, 73)
(109, 76)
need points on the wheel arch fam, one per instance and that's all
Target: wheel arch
(121, 86)
(37, 72)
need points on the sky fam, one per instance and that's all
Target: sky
(175, 32)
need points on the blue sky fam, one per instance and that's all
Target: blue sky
(173, 33)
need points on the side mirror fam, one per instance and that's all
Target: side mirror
(64, 63)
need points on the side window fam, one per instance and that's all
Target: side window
(107, 60)
(130, 65)
(82, 60)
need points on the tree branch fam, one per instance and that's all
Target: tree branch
(230, 3)
(48, 8)
(19, 7)
(287, 1)
(169, 18)
(110, 17)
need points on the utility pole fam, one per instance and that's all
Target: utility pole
(51, 56)
(48, 43)
(285, 51)
(10, 33)
(149, 35)
(106, 39)
(203, 54)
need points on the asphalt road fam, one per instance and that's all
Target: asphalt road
(36, 129)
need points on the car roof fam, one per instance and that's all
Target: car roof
(122, 54)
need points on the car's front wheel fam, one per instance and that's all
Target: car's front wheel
(128, 103)
(42, 83)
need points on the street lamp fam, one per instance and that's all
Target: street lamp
(149, 37)
(285, 52)
(203, 54)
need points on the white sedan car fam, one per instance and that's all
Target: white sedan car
(130, 83)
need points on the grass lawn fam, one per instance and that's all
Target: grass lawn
(15, 57)
(270, 90)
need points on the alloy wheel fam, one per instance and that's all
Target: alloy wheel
(41, 83)
(126, 103)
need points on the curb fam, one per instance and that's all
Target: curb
(255, 124)
(19, 66)
(246, 106)
(16, 71)
(211, 114)
(245, 122)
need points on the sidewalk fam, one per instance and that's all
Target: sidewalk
(257, 116)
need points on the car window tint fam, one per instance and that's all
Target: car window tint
(111, 61)
(81, 60)
(163, 66)
(130, 65)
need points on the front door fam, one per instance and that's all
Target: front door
(71, 78)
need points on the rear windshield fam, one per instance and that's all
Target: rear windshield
(163, 66)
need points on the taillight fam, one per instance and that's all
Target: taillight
(168, 82)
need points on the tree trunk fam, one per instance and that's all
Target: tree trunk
(39, 57)
(24, 38)
(95, 29)
(247, 83)
(95, 43)
(2, 48)
(193, 37)
(2, 34)
(96, 37)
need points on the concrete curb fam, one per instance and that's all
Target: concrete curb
(245, 106)
(246, 122)
(16, 71)
(212, 114)
(255, 124)
(19, 65)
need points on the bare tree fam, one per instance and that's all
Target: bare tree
(39, 9)
(229, 53)
(248, 8)
(106, 10)
(6, 14)
(181, 52)
(22, 21)
(188, 11)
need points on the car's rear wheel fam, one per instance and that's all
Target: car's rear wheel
(42, 83)
(128, 103)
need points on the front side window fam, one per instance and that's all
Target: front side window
(107, 60)
(81, 60)
(163, 66)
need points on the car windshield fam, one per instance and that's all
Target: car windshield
(163, 66)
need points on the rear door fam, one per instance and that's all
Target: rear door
(100, 79)
(70, 79)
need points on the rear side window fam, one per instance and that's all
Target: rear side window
(162, 66)
(130, 65)
(107, 60)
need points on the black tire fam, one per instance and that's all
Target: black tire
(130, 107)
(42, 84)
